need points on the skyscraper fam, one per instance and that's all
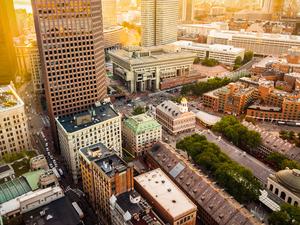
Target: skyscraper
(186, 12)
(159, 24)
(109, 13)
(70, 41)
(8, 29)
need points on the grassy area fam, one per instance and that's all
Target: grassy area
(21, 166)
(19, 161)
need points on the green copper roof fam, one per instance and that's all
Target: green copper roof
(32, 178)
(141, 123)
(13, 188)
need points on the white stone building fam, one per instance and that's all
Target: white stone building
(101, 124)
(286, 185)
(140, 132)
(259, 43)
(225, 54)
(144, 69)
(14, 135)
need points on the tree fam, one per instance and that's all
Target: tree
(238, 60)
(288, 215)
(237, 180)
(210, 62)
(197, 60)
(280, 162)
(248, 56)
(138, 110)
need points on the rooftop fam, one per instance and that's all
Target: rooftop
(207, 47)
(265, 108)
(138, 208)
(9, 98)
(142, 55)
(111, 164)
(94, 152)
(217, 203)
(269, 140)
(141, 123)
(160, 187)
(290, 178)
(226, 34)
(58, 212)
(207, 118)
(95, 115)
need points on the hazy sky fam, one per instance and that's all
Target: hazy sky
(22, 4)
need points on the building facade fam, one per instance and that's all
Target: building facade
(14, 133)
(259, 43)
(142, 69)
(175, 118)
(104, 174)
(70, 41)
(172, 205)
(225, 54)
(8, 30)
(109, 13)
(286, 185)
(159, 22)
(232, 99)
(139, 133)
(186, 11)
(100, 124)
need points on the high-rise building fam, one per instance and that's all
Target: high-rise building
(186, 10)
(109, 13)
(13, 122)
(70, 41)
(159, 24)
(8, 29)
(104, 174)
(100, 124)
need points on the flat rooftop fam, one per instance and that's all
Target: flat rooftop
(165, 192)
(226, 34)
(111, 164)
(142, 55)
(208, 47)
(98, 114)
(9, 98)
(93, 152)
(58, 212)
(265, 108)
(142, 209)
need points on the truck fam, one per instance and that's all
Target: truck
(78, 209)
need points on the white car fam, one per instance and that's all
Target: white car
(51, 165)
(48, 153)
(51, 157)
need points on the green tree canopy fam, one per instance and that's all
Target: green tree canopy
(288, 215)
(237, 180)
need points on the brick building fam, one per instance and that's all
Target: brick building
(104, 174)
(215, 207)
(175, 118)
